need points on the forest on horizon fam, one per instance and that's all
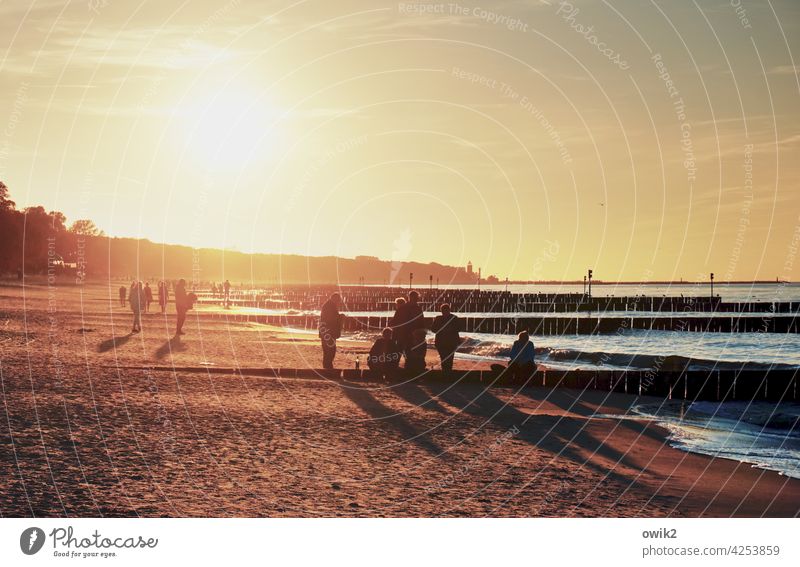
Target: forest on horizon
(33, 240)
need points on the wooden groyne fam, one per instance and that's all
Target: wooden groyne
(776, 385)
(473, 301)
(578, 325)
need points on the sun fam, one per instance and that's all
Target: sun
(230, 128)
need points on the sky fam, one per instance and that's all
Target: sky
(645, 140)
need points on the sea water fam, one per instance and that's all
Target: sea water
(762, 434)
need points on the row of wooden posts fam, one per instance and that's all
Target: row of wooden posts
(499, 302)
(777, 385)
(579, 325)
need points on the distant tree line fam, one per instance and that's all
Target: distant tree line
(33, 239)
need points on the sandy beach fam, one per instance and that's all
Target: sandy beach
(97, 422)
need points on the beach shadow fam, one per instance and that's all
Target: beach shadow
(385, 415)
(113, 342)
(418, 397)
(565, 437)
(572, 401)
(173, 345)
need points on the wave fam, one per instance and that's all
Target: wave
(571, 358)
(763, 434)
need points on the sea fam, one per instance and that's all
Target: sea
(761, 434)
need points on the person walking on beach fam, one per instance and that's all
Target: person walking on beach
(227, 296)
(148, 297)
(181, 305)
(330, 329)
(136, 297)
(163, 296)
(446, 327)
(123, 291)
(384, 356)
(522, 359)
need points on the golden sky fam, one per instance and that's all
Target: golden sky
(643, 139)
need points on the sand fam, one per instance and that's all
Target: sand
(96, 422)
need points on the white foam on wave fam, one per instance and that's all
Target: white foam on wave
(762, 434)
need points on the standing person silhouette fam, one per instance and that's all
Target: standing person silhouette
(330, 329)
(446, 327)
(163, 296)
(148, 297)
(123, 291)
(227, 288)
(181, 305)
(400, 332)
(136, 297)
(407, 319)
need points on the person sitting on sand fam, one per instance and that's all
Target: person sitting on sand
(330, 329)
(523, 355)
(136, 300)
(384, 356)
(447, 338)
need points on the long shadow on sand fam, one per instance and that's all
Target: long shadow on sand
(173, 345)
(564, 437)
(415, 395)
(113, 342)
(571, 401)
(388, 416)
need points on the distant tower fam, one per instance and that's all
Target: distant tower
(469, 269)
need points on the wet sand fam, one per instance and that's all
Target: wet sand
(96, 422)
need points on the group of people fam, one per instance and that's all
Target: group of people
(406, 338)
(222, 290)
(142, 296)
(139, 297)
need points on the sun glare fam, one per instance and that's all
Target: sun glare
(230, 128)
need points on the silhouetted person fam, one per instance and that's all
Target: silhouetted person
(446, 327)
(417, 348)
(384, 356)
(330, 329)
(407, 318)
(227, 289)
(136, 300)
(148, 297)
(163, 296)
(523, 357)
(399, 306)
(123, 292)
(181, 305)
